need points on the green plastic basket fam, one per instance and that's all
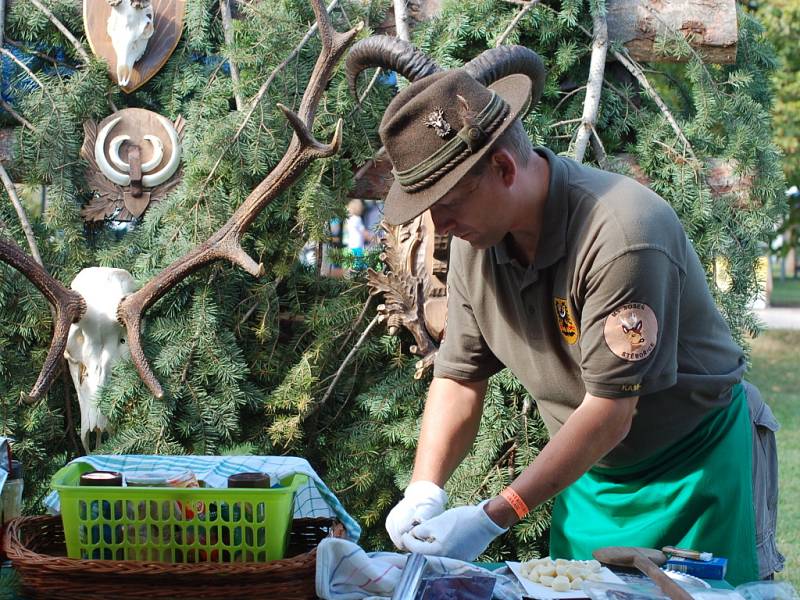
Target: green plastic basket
(180, 525)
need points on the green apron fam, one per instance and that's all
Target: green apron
(697, 493)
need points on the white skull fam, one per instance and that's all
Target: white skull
(97, 342)
(130, 25)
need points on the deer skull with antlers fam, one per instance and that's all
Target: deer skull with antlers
(86, 306)
(96, 342)
(130, 26)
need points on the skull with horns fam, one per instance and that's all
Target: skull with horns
(130, 26)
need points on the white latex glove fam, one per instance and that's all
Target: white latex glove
(421, 501)
(461, 533)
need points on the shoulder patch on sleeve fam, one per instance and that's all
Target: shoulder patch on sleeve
(631, 331)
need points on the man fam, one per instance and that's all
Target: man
(584, 284)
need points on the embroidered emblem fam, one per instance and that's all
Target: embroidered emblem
(631, 331)
(436, 120)
(566, 322)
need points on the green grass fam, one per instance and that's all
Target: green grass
(776, 372)
(785, 293)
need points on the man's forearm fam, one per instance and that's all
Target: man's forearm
(449, 425)
(590, 433)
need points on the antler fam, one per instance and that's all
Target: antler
(226, 242)
(69, 307)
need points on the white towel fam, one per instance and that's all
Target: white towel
(346, 572)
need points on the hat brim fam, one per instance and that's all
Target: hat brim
(402, 206)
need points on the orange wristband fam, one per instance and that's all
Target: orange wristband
(516, 502)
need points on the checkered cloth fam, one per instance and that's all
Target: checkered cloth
(312, 500)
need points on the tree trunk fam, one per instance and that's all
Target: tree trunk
(709, 25)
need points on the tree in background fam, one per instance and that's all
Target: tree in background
(293, 362)
(781, 20)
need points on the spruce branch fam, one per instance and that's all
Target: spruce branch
(358, 320)
(2, 20)
(31, 74)
(565, 122)
(567, 97)
(635, 69)
(22, 120)
(69, 422)
(526, 6)
(11, 190)
(44, 56)
(263, 90)
(594, 85)
(227, 29)
(599, 150)
(347, 359)
(63, 29)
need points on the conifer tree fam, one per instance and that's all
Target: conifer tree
(294, 362)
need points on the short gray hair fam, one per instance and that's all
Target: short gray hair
(514, 139)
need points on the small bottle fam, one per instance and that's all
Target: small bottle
(12, 492)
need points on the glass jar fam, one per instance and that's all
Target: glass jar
(12, 492)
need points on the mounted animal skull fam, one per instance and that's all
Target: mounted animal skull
(70, 305)
(130, 26)
(96, 342)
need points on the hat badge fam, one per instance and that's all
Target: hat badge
(436, 120)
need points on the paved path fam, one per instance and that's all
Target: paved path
(779, 318)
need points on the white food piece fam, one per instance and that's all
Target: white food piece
(562, 569)
(546, 580)
(595, 577)
(594, 565)
(547, 570)
(575, 584)
(561, 583)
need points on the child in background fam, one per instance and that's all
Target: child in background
(356, 234)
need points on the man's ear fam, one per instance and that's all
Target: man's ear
(504, 166)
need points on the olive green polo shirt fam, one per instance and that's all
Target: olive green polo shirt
(615, 304)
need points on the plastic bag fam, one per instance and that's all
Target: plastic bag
(471, 587)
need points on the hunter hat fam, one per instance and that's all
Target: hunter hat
(437, 128)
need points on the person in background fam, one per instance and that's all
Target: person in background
(356, 234)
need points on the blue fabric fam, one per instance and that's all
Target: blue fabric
(312, 500)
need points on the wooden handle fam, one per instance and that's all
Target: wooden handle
(669, 587)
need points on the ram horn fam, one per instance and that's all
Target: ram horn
(496, 63)
(100, 156)
(169, 169)
(388, 53)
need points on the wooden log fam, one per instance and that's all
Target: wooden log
(709, 25)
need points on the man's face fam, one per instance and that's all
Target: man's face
(472, 211)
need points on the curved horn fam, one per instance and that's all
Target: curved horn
(169, 169)
(100, 156)
(158, 153)
(389, 53)
(113, 153)
(496, 63)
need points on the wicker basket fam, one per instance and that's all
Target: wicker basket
(37, 550)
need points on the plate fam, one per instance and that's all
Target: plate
(537, 590)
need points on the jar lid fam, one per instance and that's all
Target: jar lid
(249, 480)
(101, 478)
